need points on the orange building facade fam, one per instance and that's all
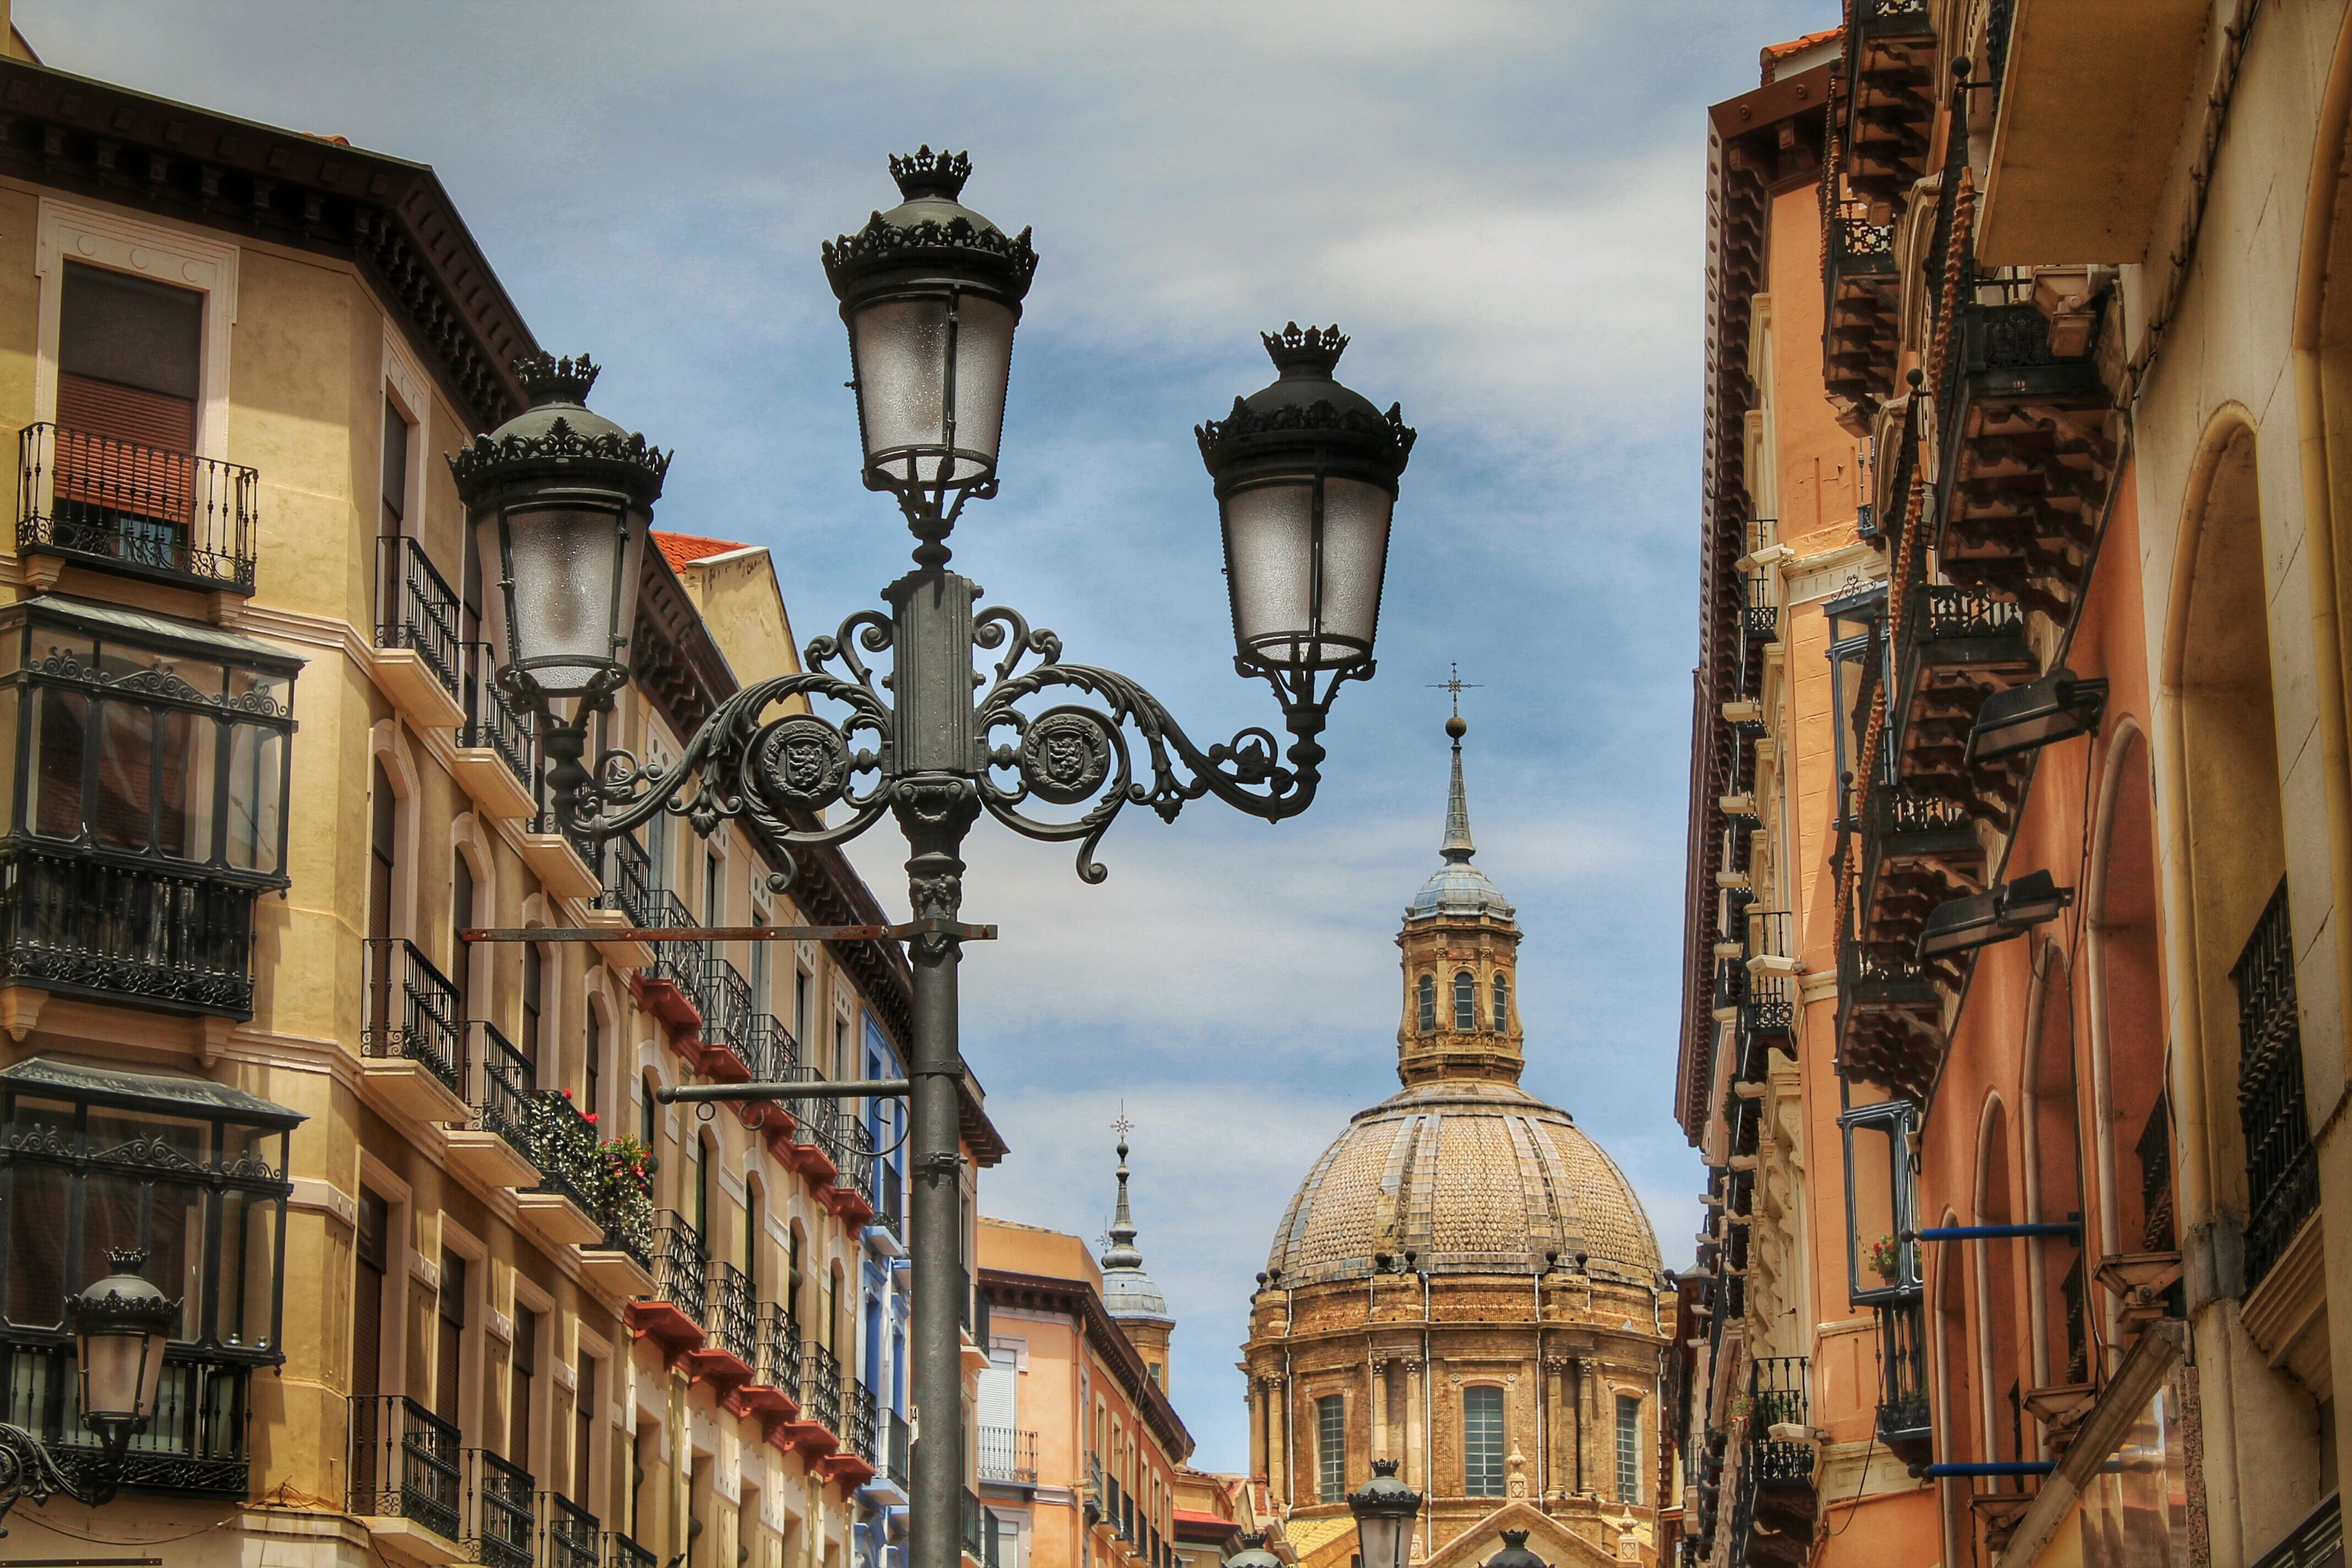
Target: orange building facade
(2021, 814)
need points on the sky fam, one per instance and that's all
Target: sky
(1502, 204)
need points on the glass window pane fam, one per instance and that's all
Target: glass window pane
(248, 1256)
(254, 798)
(61, 731)
(126, 768)
(184, 771)
(9, 697)
(37, 1243)
(257, 693)
(1481, 1441)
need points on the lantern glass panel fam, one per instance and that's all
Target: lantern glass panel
(902, 349)
(1355, 552)
(569, 582)
(117, 1382)
(1382, 1537)
(1270, 555)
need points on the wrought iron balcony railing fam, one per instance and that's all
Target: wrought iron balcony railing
(973, 1545)
(563, 1147)
(890, 1198)
(500, 1090)
(403, 1464)
(413, 1011)
(820, 1387)
(74, 922)
(769, 1049)
(501, 1522)
(572, 1534)
(195, 1443)
(778, 1366)
(726, 1004)
(1903, 1414)
(894, 1463)
(491, 721)
(682, 962)
(628, 878)
(734, 1317)
(155, 513)
(1759, 618)
(620, 1551)
(1775, 1397)
(681, 1267)
(1008, 1453)
(416, 609)
(854, 1151)
(2282, 1174)
(859, 1431)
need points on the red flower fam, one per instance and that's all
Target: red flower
(591, 1119)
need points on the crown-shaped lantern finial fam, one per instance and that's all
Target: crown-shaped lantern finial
(546, 379)
(924, 173)
(126, 1260)
(1318, 348)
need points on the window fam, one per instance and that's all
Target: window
(841, 1064)
(1502, 1002)
(534, 996)
(525, 1367)
(763, 958)
(649, 1122)
(1629, 1449)
(367, 1293)
(1331, 1448)
(714, 892)
(583, 1428)
(449, 1343)
(395, 470)
(1428, 1003)
(792, 1278)
(130, 355)
(1465, 1002)
(1481, 1441)
(800, 1008)
(592, 1064)
(461, 918)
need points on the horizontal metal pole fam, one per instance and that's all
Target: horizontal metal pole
(2020, 1468)
(2072, 1232)
(821, 1088)
(926, 927)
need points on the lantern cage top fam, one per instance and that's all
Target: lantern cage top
(1306, 419)
(931, 231)
(1384, 1493)
(1514, 1553)
(559, 437)
(125, 1300)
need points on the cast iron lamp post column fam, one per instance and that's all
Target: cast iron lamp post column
(1305, 475)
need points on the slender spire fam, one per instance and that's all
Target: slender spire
(1457, 847)
(1122, 1253)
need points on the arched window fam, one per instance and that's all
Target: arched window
(1502, 1002)
(1331, 1448)
(1482, 1439)
(1466, 1001)
(1428, 1003)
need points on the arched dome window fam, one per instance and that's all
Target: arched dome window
(1481, 1441)
(1502, 1002)
(1466, 1001)
(1428, 1003)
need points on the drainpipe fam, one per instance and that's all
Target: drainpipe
(1428, 1423)
(1543, 1426)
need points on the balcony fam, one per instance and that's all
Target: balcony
(973, 1547)
(82, 922)
(671, 986)
(412, 1045)
(816, 1146)
(620, 1261)
(815, 1431)
(720, 1051)
(567, 865)
(195, 1446)
(406, 1479)
(1784, 1504)
(502, 1517)
(674, 1315)
(1904, 1423)
(895, 1458)
(497, 748)
(624, 886)
(420, 657)
(773, 1393)
(168, 517)
(494, 1146)
(888, 1228)
(1917, 850)
(620, 1551)
(2028, 453)
(1759, 618)
(728, 1354)
(1008, 1454)
(561, 1205)
(572, 1534)
(1862, 298)
(1890, 89)
(852, 1193)
(2282, 1170)
(1890, 1017)
(855, 1462)
(1957, 645)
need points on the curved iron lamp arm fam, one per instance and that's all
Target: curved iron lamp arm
(27, 1469)
(771, 772)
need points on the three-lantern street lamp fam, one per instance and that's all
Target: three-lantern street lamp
(1305, 473)
(120, 1325)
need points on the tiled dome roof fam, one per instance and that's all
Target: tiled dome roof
(1470, 1176)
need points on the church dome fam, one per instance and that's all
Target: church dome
(1463, 1169)
(1471, 1177)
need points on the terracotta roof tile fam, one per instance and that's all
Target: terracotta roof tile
(682, 549)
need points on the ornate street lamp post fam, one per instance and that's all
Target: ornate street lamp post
(1385, 1509)
(119, 1326)
(1305, 476)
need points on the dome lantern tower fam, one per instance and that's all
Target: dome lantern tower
(1461, 944)
(1128, 1292)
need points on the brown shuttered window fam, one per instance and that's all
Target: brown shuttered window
(130, 353)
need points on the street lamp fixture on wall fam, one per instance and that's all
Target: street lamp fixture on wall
(1385, 1509)
(119, 1326)
(2058, 707)
(1962, 925)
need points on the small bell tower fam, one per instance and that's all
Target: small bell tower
(1460, 945)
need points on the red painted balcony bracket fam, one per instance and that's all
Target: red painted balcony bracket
(666, 1326)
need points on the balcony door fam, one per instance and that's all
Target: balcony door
(383, 846)
(130, 365)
